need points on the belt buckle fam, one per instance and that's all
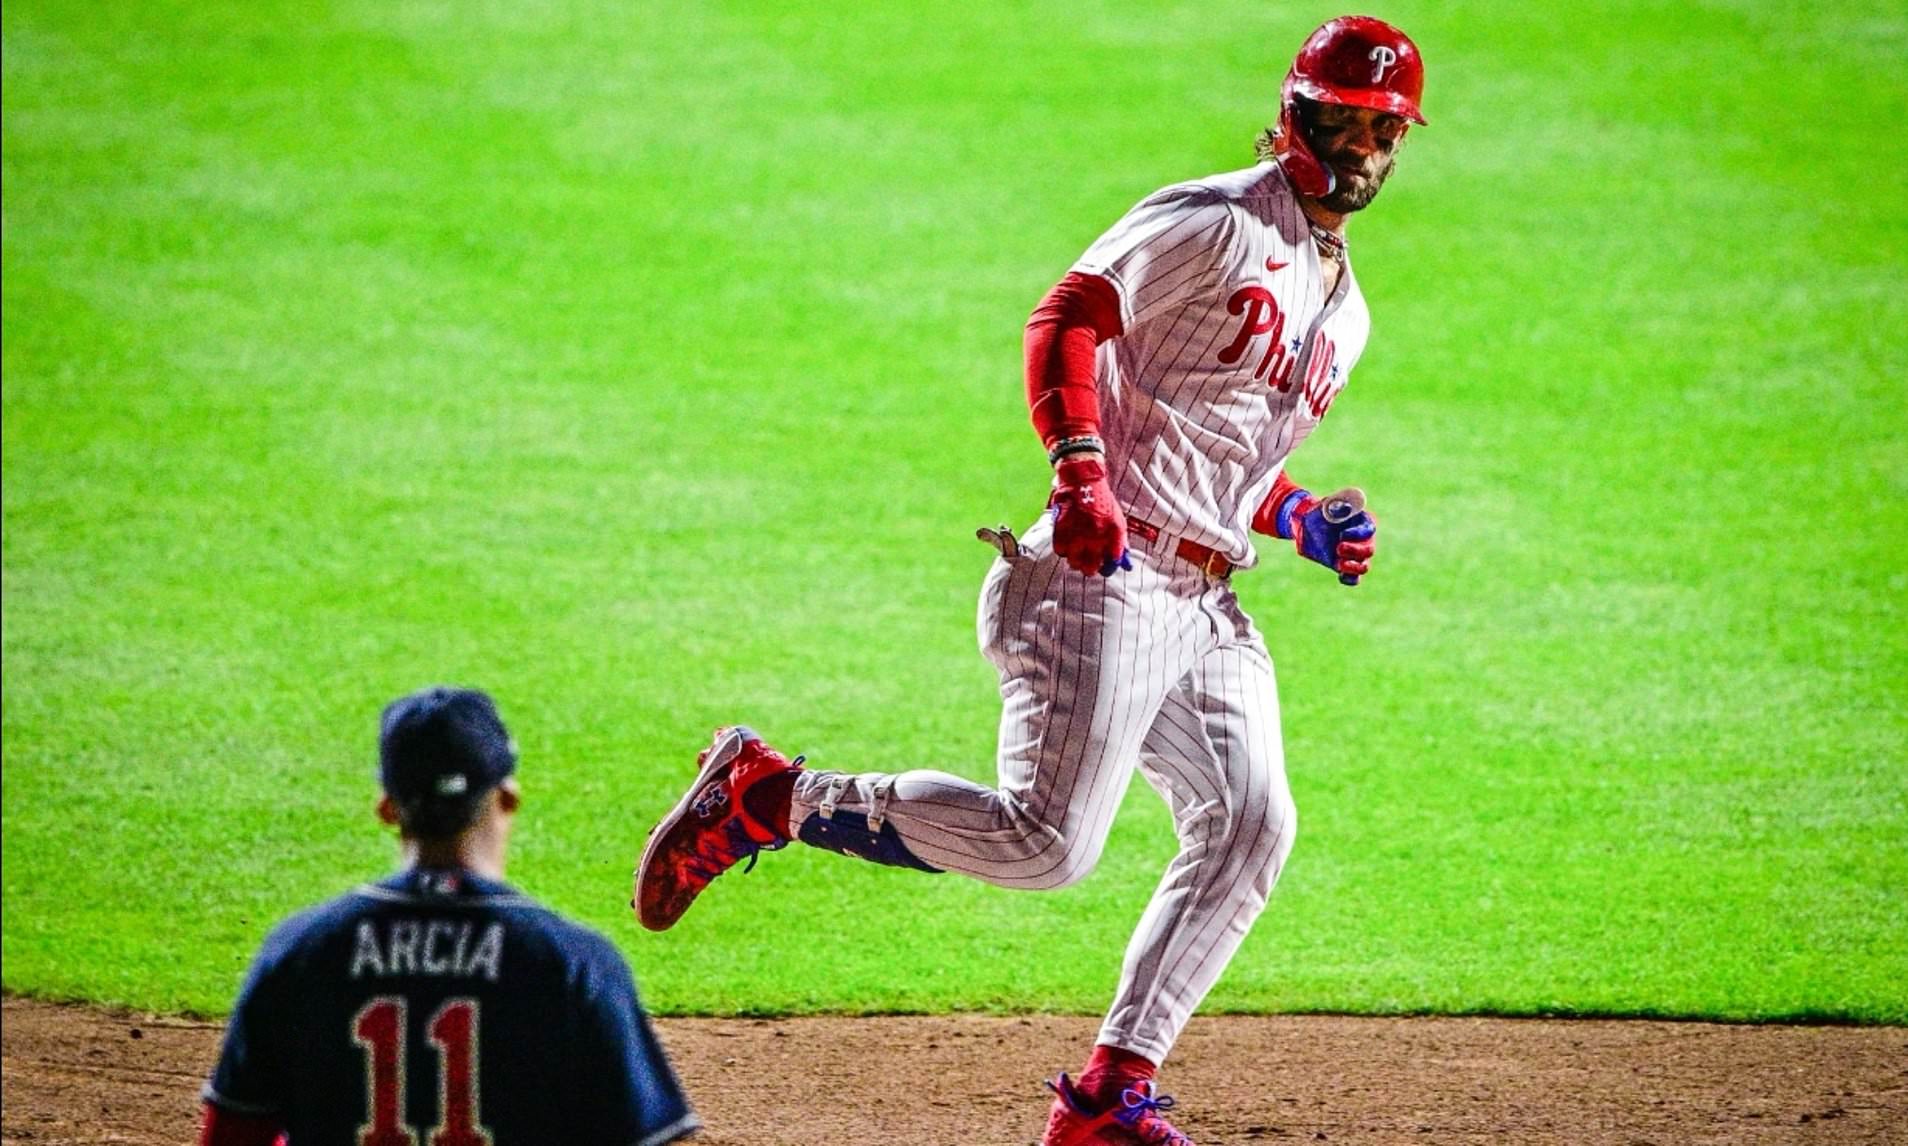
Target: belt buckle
(1216, 565)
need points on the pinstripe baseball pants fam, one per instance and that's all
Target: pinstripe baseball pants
(1156, 668)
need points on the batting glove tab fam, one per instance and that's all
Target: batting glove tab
(1345, 546)
(1089, 531)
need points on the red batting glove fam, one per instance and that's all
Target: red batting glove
(1089, 531)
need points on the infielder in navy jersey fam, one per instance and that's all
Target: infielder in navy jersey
(441, 1005)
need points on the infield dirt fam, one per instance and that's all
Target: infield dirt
(80, 1075)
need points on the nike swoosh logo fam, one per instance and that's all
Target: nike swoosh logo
(1272, 266)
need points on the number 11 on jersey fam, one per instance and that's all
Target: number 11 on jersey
(379, 1028)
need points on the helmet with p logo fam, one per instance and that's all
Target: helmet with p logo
(1356, 61)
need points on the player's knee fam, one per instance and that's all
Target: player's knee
(1267, 825)
(1060, 871)
(1077, 860)
(1057, 854)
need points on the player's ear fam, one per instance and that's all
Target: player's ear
(509, 796)
(387, 811)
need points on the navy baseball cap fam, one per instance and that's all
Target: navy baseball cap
(439, 751)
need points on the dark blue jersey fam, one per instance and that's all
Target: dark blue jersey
(440, 1007)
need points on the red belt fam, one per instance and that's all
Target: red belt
(1210, 561)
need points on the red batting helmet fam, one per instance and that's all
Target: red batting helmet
(1359, 61)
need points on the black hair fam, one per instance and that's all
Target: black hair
(438, 819)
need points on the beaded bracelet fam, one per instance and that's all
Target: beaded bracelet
(1066, 447)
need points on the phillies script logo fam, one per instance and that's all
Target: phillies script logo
(1261, 316)
(1382, 60)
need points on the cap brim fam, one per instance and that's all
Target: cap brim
(1375, 100)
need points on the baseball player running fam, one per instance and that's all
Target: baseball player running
(441, 1005)
(1170, 375)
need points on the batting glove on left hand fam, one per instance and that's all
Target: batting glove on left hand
(1345, 547)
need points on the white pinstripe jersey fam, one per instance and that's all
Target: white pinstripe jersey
(1231, 352)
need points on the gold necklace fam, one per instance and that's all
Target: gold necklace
(1329, 244)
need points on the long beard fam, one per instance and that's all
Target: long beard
(1356, 194)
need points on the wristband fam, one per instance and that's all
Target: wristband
(1067, 447)
(1282, 524)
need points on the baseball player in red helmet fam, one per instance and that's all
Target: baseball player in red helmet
(1170, 374)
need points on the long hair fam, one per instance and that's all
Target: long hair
(1265, 146)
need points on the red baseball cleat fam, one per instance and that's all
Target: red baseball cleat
(1132, 1121)
(711, 830)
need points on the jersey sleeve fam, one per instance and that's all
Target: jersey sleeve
(1164, 252)
(250, 1078)
(627, 1083)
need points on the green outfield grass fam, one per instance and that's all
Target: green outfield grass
(651, 366)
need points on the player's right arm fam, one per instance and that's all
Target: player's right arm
(1165, 252)
(626, 1087)
(1063, 399)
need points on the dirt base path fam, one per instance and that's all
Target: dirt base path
(76, 1075)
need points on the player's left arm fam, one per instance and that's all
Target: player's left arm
(244, 1097)
(221, 1127)
(1296, 514)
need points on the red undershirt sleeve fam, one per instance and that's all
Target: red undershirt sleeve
(223, 1128)
(1062, 343)
(1063, 389)
(1266, 519)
